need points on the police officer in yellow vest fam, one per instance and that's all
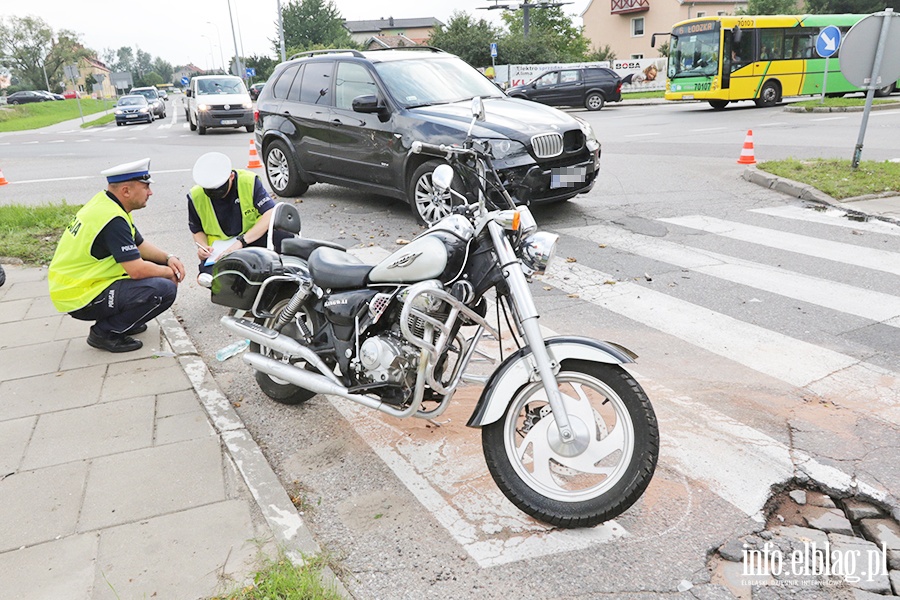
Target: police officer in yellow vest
(226, 204)
(105, 271)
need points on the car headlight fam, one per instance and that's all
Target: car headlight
(203, 107)
(119, 111)
(537, 250)
(505, 149)
(590, 137)
(143, 110)
(247, 105)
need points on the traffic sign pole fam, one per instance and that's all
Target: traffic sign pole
(824, 80)
(874, 80)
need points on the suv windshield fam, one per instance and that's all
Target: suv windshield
(221, 86)
(424, 82)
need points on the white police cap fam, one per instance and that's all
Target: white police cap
(138, 170)
(212, 170)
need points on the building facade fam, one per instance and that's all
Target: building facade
(417, 30)
(626, 26)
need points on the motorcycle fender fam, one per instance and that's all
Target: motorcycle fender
(518, 369)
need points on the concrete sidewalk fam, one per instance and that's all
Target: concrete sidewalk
(124, 475)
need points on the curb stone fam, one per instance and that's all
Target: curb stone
(281, 515)
(827, 109)
(807, 192)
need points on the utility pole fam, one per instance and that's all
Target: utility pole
(237, 57)
(281, 31)
(526, 7)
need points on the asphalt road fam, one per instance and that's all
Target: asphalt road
(767, 334)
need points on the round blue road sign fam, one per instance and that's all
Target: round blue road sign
(828, 42)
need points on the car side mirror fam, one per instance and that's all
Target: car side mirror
(187, 93)
(368, 104)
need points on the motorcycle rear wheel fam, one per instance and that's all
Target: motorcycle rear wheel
(277, 389)
(587, 482)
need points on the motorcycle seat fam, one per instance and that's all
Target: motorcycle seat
(303, 247)
(337, 270)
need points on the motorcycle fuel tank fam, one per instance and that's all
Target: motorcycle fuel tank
(435, 255)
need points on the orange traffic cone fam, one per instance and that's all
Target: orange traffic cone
(254, 157)
(3, 180)
(747, 151)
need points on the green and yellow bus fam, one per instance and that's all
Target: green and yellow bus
(761, 58)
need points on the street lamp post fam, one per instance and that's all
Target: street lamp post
(237, 56)
(221, 55)
(212, 58)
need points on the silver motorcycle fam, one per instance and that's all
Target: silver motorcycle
(569, 436)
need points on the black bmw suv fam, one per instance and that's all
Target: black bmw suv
(349, 118)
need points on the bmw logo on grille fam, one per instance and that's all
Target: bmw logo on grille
(227, 107)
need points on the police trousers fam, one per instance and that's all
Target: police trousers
(126, 304)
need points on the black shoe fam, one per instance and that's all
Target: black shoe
(136, 329)
(116, 343)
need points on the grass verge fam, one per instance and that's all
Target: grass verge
(280, 579)
(43, 114)
(842, 102)
(642, 95)
(31, 233)
(836, 178)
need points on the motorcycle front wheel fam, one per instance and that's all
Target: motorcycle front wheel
(277, 389)
(591, 480)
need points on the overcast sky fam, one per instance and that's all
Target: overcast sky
(173, 29)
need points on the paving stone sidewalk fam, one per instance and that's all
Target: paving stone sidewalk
(124, 475)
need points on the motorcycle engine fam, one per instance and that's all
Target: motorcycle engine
(389, 359)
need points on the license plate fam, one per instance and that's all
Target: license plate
(130, 116)
(687, 97)
(229, 121)
(567, 177)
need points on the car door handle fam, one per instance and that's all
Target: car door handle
(336, 122)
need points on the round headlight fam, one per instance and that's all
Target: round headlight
(538, 249)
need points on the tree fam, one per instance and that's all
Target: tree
(164, 69)
(515, 49)
(25, 44)
(565, 41)
(309, 24)
(264, 66)
(467, 38)
(769, 7)
(601, 54)
(857, 7)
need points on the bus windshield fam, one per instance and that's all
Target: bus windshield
(694, 51)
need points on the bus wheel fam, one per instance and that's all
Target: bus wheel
(769, 95)
(885, 91)
(718, 104)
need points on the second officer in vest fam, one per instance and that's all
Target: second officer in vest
(226, 204)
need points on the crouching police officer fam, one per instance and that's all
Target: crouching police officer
(226, 204)
(105, 271)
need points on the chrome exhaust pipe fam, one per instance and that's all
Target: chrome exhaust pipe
(305, 379)
(282, 344)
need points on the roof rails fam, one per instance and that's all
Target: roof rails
(356, 53)
(429, 48)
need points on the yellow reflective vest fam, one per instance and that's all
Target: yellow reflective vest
(75, 276)
(246, 180)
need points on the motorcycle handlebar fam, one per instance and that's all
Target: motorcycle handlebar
(438, 150)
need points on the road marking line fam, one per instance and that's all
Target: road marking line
(869, 258)
(842, 379)
(829, 119)
(642, 134)
(709, 129)
(829, 216)
(877, 306)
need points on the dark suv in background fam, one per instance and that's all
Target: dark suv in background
(590, 87)
(349, 118)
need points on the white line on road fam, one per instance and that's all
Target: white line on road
(642, 134)
(709, 129)
(837, 296)
(869, 258)
(829, 119)
(830, 216)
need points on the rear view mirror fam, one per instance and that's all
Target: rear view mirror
(736, 34)
(478, 108)
(367, 104)
(441, 178)
(187, 92)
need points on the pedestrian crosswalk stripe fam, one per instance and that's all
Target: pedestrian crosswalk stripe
(870, 258)
(830, 216)
(793, 361)
(848, 299)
